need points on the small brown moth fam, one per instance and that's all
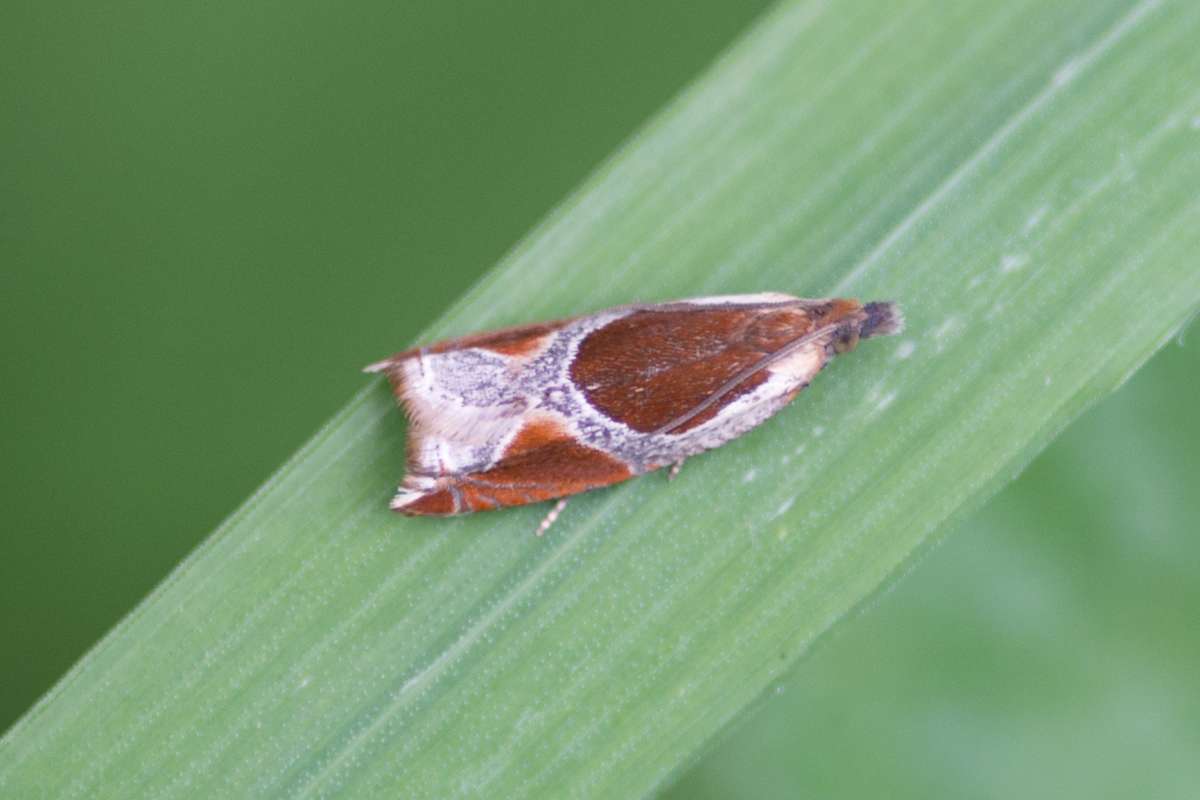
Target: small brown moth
(548, 410)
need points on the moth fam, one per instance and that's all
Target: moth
(547, 410)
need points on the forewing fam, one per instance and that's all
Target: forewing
(656, 364)
(461, 395)
(519, 340)
(543, 462)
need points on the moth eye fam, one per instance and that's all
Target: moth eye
(846, 340)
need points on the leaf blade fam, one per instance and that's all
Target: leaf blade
(455, 657)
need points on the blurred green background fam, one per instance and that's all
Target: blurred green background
(212, 215)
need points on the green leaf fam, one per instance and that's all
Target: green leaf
(1020, 177)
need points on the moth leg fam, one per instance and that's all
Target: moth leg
(551, 516)
(678, 465)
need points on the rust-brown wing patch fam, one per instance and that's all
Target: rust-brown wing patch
(439, 503)
(542, 462)
(554, 470)
(535, 434)
(654, 366)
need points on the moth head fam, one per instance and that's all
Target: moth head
(862, 322)
(846, 338)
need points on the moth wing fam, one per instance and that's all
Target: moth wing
(462, 395)
(658, 364)
(542, 462)
(518, 340)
